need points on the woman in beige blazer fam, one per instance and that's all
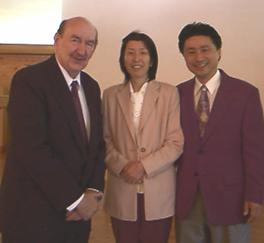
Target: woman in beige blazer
(143, 139)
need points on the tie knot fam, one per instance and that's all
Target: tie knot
(74, 88)
(74, 84)
(204, 88)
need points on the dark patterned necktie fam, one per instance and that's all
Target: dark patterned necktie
(203, 109)
(78, 108)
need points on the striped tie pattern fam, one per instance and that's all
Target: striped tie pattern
(203, 109)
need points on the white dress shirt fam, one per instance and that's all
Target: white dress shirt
(212, 86)
(137, 99)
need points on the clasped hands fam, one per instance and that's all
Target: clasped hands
(133, 172)
(87, 207)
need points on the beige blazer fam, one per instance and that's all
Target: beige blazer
(158, 144)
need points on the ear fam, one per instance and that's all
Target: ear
(56, 37)
(219, 54)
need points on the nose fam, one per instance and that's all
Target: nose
(136, 57)
(82, 49)
(199, 56)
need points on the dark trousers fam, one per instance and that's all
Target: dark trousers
(141, 231)
(72, 232)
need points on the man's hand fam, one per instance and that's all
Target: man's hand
(87, 207)
(133, 172)
(73, 216)
(252, 210)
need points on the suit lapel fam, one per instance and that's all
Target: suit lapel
(218, 109)
(90, 99)
(62, 94)
(189, 118)
(123, 98)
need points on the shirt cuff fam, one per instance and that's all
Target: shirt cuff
(92, 189)
(75, 204)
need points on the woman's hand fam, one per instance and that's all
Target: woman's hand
(133, 172)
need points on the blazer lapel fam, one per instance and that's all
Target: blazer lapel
(189, 118)
(123, 98)
(218, 109)
(150, 99)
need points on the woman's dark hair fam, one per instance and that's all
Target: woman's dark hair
(199, 28)
(150, 45)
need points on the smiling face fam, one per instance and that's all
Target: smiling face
(201, 57)
(75, 46)
(137, 60)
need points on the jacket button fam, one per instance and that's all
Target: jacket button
(142, 150)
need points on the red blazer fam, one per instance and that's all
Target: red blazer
(47, 166)
(228, 163)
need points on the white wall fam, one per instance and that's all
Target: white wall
(29, 21)
(239, 22)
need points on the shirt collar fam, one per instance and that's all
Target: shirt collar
(141, 91)
(211, 84)
(67, 77)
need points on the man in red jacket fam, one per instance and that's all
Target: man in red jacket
(221, 172)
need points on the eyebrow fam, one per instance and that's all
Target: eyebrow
(75, 36)
(141, 48)
(191, 47)
(87, 41)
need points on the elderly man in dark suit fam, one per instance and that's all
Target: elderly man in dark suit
(221, 172)
(54, 173)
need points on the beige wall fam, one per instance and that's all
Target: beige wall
(240, 23)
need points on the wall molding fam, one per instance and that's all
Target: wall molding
(26, 49)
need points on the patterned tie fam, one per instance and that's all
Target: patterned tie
(203, 109)
(78, 108)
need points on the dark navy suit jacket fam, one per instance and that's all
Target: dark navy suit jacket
(48, 167)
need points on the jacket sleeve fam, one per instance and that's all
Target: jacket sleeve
(98, 148)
